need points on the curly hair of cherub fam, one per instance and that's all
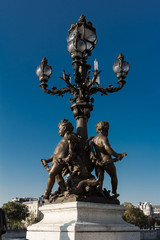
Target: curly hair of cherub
(101, 125)
(67, 124)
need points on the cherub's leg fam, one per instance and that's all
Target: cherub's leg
(55, 169)
(69, 179)
(111, 170)
(100, 175)
(60, 181)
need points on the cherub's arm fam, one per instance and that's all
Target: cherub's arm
(109, 149)
(48, 160)
(73, 137)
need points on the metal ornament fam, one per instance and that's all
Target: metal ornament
(76, 155)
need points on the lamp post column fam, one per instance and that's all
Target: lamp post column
(81, 112)
(82, 127)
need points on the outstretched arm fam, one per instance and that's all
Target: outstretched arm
(109, 149)
(50, 158)
(46, 161)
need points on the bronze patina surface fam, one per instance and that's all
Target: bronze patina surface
(76, 155)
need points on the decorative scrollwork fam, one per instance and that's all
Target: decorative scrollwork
(84, 88)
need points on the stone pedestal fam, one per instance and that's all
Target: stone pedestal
(82, 221)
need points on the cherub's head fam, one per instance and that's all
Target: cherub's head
(65, 126)
(102, 127)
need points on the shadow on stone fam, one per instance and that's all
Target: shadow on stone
(64, 233)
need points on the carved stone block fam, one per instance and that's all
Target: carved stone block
(82, 220)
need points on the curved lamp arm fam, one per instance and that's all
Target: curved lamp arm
(110, 89)
(121, 69)
(44, 72)
(54, 90)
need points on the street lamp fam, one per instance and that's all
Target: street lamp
(44, 71)
(81, 40)
(121, 67)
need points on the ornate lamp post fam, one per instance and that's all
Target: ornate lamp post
(81, 40)
(82, 217)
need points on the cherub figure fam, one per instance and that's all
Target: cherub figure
(63, 153)
(101, 155)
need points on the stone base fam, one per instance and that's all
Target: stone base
(82, 221)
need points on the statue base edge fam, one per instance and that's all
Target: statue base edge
(82, 220)
(93, 198)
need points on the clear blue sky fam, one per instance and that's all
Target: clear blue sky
(31, 30)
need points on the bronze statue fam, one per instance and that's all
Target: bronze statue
(67, 159)
(71, 155)
(60, 159)
(101, 155)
